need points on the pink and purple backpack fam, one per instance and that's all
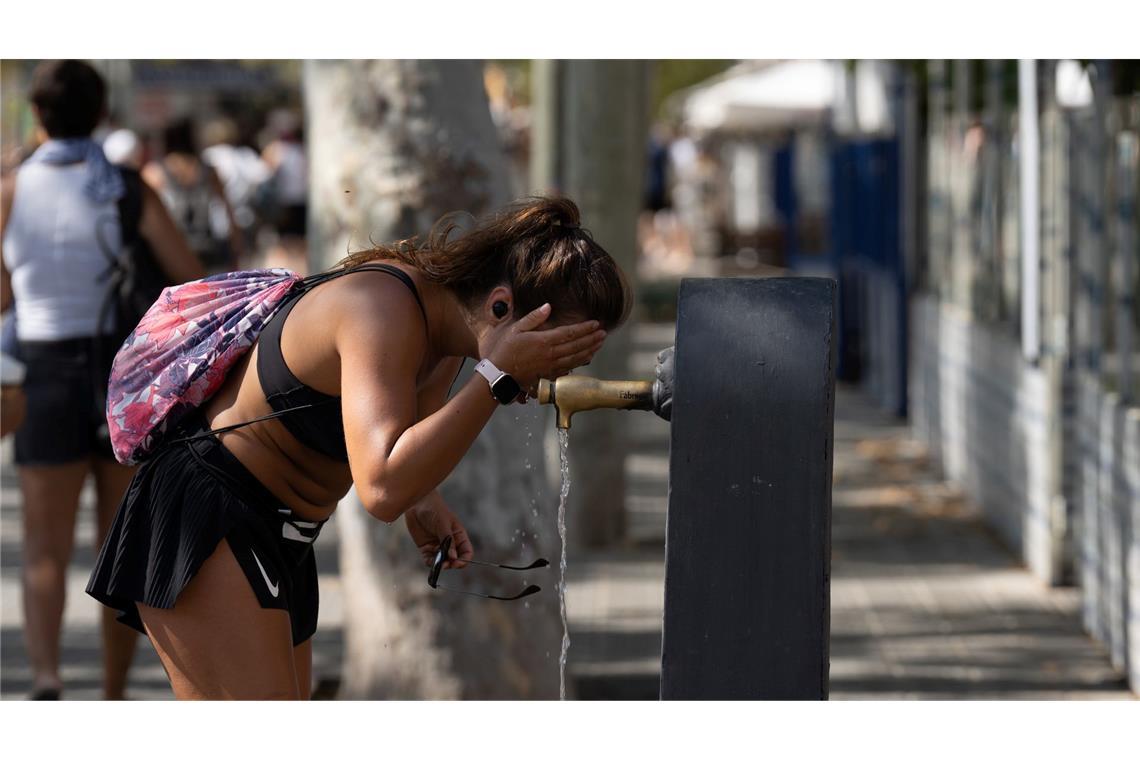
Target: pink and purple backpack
(181, 351)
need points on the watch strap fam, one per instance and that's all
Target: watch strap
(503, 387)
(491, 373)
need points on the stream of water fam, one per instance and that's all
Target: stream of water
(564, 458)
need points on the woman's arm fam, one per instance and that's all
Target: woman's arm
(430, 519)
(396, 460)
(166, 240)
(433, 394)
(6, 298)
(7, 186)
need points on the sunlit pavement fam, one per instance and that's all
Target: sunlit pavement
(926, 603)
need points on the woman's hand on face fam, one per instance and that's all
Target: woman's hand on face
(527, 352)
(429, 522)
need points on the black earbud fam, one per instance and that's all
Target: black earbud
(500, 309)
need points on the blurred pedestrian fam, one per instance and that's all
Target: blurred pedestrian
(189, 188)
(123, 147)
(651, 228)
(59, 222)
(242, 173)
(289, 185)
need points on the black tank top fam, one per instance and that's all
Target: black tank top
(321, 426)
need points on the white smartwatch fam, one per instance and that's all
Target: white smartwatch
(504, 388)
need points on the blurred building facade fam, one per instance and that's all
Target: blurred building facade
(1023, 375)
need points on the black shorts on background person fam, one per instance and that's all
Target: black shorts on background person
(66, 419)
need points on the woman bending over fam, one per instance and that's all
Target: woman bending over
(210, 552)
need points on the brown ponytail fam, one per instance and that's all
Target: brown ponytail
(536, 246)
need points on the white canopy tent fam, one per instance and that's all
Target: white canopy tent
(769, 96)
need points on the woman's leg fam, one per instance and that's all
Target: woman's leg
(303, 667)
(111, 481)
(50, 499)
(218, 642)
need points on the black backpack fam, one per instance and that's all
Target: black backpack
(134, 280)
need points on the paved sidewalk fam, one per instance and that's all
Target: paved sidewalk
(925, 602)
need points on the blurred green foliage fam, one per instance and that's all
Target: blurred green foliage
(669, 76)
(518, 77)
(673, 74)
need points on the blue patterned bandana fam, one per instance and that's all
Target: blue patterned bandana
(103, 182)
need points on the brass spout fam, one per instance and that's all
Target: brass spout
(572, 394)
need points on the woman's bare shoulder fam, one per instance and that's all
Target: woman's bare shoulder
(372, 301)
(374, 286)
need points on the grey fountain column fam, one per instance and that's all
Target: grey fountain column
(748, 541)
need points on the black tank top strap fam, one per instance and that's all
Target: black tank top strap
(313, 280)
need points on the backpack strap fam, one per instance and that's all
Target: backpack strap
(228, 428)
(130, 205)
(130, 216)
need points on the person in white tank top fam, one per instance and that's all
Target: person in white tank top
(59, 224)
(57, 244)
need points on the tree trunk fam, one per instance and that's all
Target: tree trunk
(393, 146)
(605, 121)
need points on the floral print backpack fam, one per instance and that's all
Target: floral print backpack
(184, 346)
(181, 350)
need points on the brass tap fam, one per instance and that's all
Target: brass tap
(572, 394)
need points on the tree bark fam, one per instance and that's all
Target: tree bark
(393, 146)
(605, 115)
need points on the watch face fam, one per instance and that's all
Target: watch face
(506, 389)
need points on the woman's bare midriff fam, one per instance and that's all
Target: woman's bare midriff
(305, 480)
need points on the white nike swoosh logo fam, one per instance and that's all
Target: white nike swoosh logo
(272, 586)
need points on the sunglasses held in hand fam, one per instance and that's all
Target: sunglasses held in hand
(441, 557)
